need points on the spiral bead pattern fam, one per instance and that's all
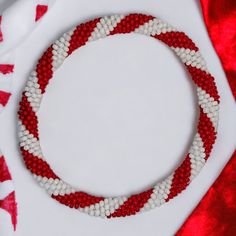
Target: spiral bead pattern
(161, 192)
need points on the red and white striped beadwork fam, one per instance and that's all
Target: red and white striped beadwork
(161, 192)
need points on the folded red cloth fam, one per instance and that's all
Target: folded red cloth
(216, 213)
(220, 19)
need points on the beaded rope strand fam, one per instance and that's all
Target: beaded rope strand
(161, 192)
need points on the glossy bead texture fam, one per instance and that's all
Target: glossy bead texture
(162, 191)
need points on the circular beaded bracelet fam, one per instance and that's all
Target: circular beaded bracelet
(161, 192)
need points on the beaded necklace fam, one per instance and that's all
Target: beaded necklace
(161, 192)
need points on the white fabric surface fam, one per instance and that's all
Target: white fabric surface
(18, 19)
(17, 22)
(6, 224)
(119, 115)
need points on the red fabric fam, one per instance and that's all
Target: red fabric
(220, 19)
(4, 97)
(1, 36)
(9, 202)
(4, 172)
(6, 68)
(216, 213)
(40, 11)
(9, 205)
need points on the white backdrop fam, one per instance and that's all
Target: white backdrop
(118, 116)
